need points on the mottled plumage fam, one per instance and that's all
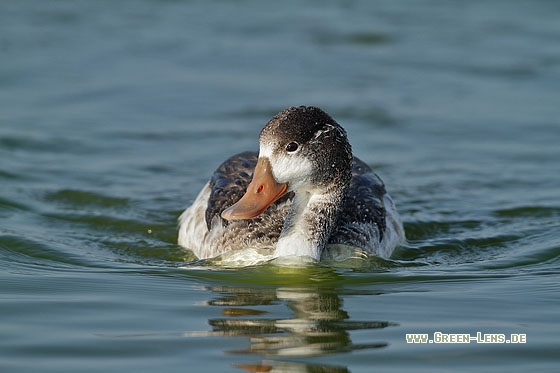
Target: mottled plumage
(345, 204)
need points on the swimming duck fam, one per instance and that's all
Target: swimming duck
(303, 195)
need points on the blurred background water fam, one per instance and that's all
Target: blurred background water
(114, 114)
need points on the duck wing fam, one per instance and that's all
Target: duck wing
(228, 183)
(362, 222)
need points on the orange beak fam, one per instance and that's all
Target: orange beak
(260, 194)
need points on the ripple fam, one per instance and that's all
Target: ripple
(364, 38)
(7, 205)
(46, 144)
(81, 198)
(508, 241)
(10, 175)
(22, 255)
(529, 212)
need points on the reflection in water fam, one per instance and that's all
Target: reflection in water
(290, 367)
(316, 325)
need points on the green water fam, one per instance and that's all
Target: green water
(114, 114)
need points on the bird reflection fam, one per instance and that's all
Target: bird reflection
(314, 325)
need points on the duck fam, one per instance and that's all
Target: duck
(303, 195)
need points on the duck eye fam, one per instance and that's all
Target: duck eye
(292, 147)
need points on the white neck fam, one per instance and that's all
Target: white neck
(308, 225)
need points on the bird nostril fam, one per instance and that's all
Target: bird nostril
(260, 188)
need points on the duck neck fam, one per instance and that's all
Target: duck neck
(309, 224)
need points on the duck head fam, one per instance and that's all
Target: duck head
(302, 149)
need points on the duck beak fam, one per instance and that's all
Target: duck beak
(261, 193)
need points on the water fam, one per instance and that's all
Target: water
(114, 114)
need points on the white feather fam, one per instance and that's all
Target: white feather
(193, 231)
